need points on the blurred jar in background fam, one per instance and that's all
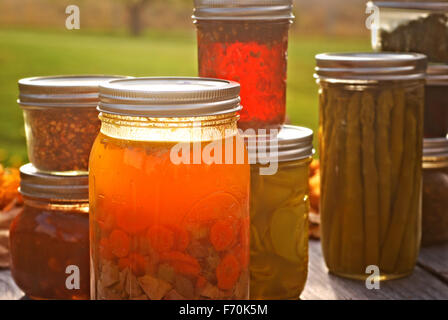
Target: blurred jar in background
(436, 101)
(435, 191)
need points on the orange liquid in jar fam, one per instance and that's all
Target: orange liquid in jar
(166, 231)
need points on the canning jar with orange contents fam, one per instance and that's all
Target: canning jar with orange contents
(169, 191)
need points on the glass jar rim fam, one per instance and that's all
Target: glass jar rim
(62, 90)
(414, 5)
(437, 75)
(169, 97)
(291, 143)
(435, 150)
(243, 10)
(371, 66)
(36, 184)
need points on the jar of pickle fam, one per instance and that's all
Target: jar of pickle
(417, 26)
(435, 190)
(371, 136)
(49, 239)
(279, 213)
(169, 192)
(436, 101)
(61, 120)
(247, 41)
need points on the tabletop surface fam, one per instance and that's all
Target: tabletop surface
(429, 280)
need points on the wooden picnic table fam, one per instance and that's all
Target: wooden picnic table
(429, 280)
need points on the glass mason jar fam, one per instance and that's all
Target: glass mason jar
(411, 27)
(371, 136)
(435, 190)
(279, 213)
(61, 120)
(247, 41)
(169, 215)
(436, 101)
(49, 239)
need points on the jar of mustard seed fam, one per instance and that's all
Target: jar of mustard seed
(436, 101)
(169, 192)
(371, 136)
(279, 213)
(247, 41)
(49, 239)
(435, 191)
(61, 120)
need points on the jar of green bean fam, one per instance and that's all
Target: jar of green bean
(371, 135)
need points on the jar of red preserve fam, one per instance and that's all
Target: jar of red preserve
(247, 41)
(49, 239)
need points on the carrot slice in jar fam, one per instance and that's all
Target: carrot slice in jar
(105, 250)
(131, 220)
(160, 238)
(228, 272)
(223, 234)
(119, 243)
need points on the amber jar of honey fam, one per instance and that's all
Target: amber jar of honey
(279, 213)
(371, 136)
(49, 239)
(169, 192)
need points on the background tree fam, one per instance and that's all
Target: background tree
(135, 9)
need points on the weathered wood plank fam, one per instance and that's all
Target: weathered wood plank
(8, 288)
(322, 285)
(435, 260)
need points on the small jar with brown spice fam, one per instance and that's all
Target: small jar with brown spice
(61, 120)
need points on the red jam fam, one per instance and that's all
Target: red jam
(253, 54)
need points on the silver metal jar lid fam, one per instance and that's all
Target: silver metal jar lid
(35, 184)
(243, 9)
(435, 152)
(437, 74)
(426, 6)
(62, 91)
(292, 142)
(371, 66)
(169, 97)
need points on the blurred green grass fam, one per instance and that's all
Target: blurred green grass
(25, 53)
